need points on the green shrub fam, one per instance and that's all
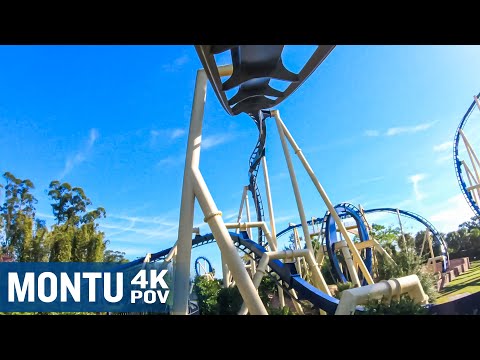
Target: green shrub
(407, 263)
(280, 311)
(341, 287)
(267, 288)
(207, 292)
(229, 301)
(327, 271)
(215, 300)
(404, 306)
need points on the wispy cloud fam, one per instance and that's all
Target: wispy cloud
(208, 142)
(176, 64)
(444, 158)
(372, 133)
(456, 212)
(160, 220)
(375, 218)
(370, 180)
(213, 140)
(400, 130)
(176, 133)
(170, 134)
(137, 234)
(443, 146)
(408, 129)
(135, 228)
(281, 219)
(403, 204)
(415, 180)
(81, 155)
(171, 160)
(278, 176)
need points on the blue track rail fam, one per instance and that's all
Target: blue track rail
(363, 232)
(197, 265)
(305, 291)
(254, 163)
(316, 221)
(437, 236)
(458, 164)
(329, 229)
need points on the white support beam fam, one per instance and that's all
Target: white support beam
(325, 198)
(193, 187)
(235, 264)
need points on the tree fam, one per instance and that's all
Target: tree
(419, 238)
(114, 257)
(409, 241)
(407, 262)
(474, 237)
(473, 223)
(40, 247)
(68, 203)
(387, 237)
(229, 301)
(17, 215)
(24, 236)
(2, 238)
(75, 237)
(207, 293)
(93, 215)
(466, 240)
(61, 239)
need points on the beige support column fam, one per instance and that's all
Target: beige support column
(240, 210)
(192, 160)
(471, 154)
(296, 305)
(401, 230)
(293, 178)
(325, 198)
(425, 237)
(247, 206)
(225, 272)
(235, 264)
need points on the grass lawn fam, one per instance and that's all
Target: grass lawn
(467, 282)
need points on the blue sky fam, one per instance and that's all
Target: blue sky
(375, 122)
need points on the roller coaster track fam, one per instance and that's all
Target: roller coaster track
(254, 66)
(198, 269)
(345, 210)
(437, 236)
(305, 291)
(458, 163)
(316, 221)
(254, 163)
(349, 210)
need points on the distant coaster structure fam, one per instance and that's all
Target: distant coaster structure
(468, 171)
(331, 242)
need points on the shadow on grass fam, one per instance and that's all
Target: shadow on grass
(453, 288)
